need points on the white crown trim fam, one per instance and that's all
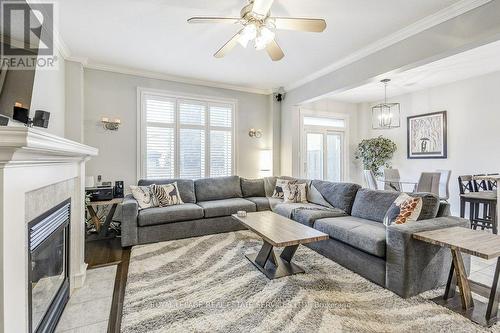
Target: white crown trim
(428, 22)
(167, 77)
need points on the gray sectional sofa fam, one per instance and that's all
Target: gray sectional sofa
(350, 215)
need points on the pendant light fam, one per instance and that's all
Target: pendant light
(386, 115)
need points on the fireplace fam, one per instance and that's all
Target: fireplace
(48, 267)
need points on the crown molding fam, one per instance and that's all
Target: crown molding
(428, 22)
(167, 77)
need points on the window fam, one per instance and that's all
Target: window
(184, 137)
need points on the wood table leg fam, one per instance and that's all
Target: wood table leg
(492, 309)
(451, 285)
(95, 220)
(105, 227)
(462, 281)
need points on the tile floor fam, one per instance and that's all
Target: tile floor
(482, 271)
(88, 308)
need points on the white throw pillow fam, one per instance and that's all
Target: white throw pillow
(144, 196)
(404, 209)
(278, 188)
(295, 193)
(167, 195)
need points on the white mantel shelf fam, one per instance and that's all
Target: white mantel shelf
(23, 145)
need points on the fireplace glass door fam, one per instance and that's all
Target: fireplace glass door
(48, 274)
(48, 264)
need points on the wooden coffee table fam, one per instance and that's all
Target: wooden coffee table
(476, 243)
(278, 231)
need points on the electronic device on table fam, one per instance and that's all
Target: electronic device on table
(99, 193)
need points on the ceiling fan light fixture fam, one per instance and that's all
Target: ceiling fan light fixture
(264, 37)
(247, 34)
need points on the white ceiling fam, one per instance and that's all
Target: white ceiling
(475, 62)
(153, 35)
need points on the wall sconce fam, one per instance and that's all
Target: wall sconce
(111, 125)
(255, 133)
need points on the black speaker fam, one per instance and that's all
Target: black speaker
(21, 114)
(41, 118)
(118, 191)
(4, 121)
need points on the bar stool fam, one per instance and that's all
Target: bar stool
(475, 199)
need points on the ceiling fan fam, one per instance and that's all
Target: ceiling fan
(258, 26)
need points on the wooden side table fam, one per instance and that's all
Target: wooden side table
(103, 229)
(476, 243)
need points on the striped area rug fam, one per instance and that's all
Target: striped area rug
(206, 284)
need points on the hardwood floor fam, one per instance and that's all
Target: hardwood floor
(105, 252)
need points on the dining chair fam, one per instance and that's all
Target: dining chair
(370, 180)
(392, 180)
(444, 184)
(429, 182)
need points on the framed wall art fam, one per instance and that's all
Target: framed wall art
(427, 136)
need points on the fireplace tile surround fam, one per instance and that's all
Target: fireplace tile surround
(37, 171)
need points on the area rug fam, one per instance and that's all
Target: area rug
(206, 284)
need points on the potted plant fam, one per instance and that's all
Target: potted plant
(376, 153)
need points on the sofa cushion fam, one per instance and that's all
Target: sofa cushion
(339, 195)
(309, 217)
(252, 188)
(185, 186)
(315, 196)
(365, 235)
(262, 203)
(169, 214)
(218, 188)
(273, 202)
(286, 209)
(226, 207)
(373, 204)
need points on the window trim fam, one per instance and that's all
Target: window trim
(141, 127)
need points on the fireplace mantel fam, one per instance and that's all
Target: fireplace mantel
(37, 170)
(22, 145)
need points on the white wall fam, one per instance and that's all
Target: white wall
(49, 95)
(115, 95)
(349, 110)
(473, 107)
(477, 27)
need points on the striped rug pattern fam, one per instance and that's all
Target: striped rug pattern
(206, 284)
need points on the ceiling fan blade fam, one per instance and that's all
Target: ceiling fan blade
(228, 46)
(262, 7)
(300, 24)
(230, 20)
(274, 51)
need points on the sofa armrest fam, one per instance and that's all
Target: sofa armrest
(130, 211)
(414, 266)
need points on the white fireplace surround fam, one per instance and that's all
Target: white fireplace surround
(36, 164)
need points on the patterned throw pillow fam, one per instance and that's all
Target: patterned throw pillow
(278, 189)
(295, 193)
(144, 196)
(167, 195)
(404, 209)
